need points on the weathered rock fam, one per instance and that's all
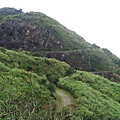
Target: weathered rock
(43, 36)
(23, 35)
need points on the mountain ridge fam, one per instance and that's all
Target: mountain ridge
(44, 36)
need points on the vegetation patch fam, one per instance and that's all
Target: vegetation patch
(26, 90)
(95, 97)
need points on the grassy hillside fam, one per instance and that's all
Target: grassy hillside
(27, 84)
(97, 97)
(25, 87)
(38, 65)
(21, 94)
(43, 36)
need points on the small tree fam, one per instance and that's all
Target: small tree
(52, 78)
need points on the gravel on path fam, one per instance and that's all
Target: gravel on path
(64, 98)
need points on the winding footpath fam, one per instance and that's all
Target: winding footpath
(64, 97)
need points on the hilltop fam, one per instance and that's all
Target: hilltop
(44, 36)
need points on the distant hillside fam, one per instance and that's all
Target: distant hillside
(43, 36)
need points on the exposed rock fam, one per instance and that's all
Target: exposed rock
(23, 35)
(9, 11)
(43, 36)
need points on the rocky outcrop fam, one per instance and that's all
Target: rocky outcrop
(109, 75)
(73, 58)
(43, 36)
(23, 35)
(9, 11)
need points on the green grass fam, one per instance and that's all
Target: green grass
(25, 89)
(97, 97)
(60, 102)
(18, 90)
(38, 65)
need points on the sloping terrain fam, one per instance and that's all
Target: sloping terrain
(97, 97)
(27, 84)
(43, 36)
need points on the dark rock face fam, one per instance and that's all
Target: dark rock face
(23, 35)
(109, 75)
(43, 36)
(70, 58)
(9, 11)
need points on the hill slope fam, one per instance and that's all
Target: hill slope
(97, 97)
(43, 36)
(27, 84)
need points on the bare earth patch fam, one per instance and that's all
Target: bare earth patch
(65, 98)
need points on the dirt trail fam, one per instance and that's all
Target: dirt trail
(65, 98)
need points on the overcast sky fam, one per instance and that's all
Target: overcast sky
(98, 21)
